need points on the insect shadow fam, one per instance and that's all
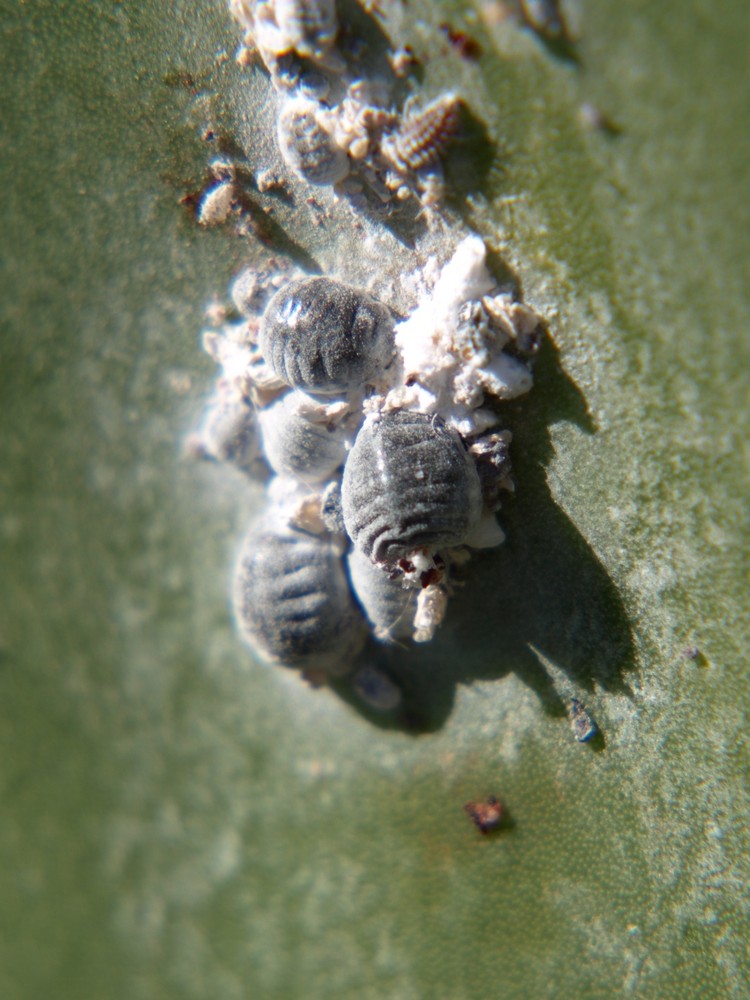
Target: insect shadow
(542, 596)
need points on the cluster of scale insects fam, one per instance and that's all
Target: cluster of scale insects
(370, 504)
(384, 466)
(334, 128)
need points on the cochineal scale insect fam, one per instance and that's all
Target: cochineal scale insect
(409, 484)
(389, 606)
(323, 336)
(297, 442)
(423, 136)
(292, 600)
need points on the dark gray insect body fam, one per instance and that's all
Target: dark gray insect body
(296, 445)
(389, 606)
(307, 147)
(292, 600)
(230, 433)
(408, 484)
(326, 337)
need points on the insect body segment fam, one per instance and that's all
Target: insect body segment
(409, 485)
(423, 137)
(298, 442)
(326, 337)
(292, 600)
(228, 433)
(389, 606)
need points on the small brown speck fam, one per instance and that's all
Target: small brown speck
(191, 201)
(593, 117)
(583, 726)
(430, 576)
(695, 655)
(181, 78)
(485, 815)
(461, 43)
(315, 678)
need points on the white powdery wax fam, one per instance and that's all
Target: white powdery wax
(447, 365)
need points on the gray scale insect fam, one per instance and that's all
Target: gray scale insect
(307, 147)
(424, 136)
(388, 605)
(292, 600)
(409, 484)
(230, 434)
(326, 337)
(296, 445)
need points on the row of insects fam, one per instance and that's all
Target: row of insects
(335, 127)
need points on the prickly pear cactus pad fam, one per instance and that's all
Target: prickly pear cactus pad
(551, 798)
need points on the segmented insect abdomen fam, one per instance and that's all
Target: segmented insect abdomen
(408, 484)
(422, 138)
(388, 605)
(229, 433)
(295, 446)
(292, 600)
(323, 336)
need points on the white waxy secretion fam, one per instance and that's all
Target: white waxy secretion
(448, 365)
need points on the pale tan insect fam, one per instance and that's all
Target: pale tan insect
(423, 136)
(310, 26)
(307, 146)
(307, 28)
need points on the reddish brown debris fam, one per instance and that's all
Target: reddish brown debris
(486, 815)
(464, 45)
